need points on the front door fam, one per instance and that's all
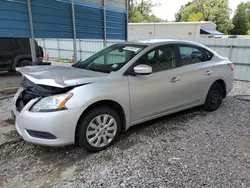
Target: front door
(153, 95)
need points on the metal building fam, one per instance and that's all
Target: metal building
(77, 19)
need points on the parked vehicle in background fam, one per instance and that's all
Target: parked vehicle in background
(15, 52)
(125, 84)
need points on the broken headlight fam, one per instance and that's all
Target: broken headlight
(52, 103)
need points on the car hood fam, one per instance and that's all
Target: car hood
(60, 76)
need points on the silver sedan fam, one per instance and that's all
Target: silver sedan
(92, 101)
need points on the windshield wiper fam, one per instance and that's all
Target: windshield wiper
(75, 64)
(98, 70)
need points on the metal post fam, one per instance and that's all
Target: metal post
(32, 39)
(127, 19)
(58, 47)
(74, 30)
(104, 23)
(194, 32)
(230, 52)
(44, 46)
(80, 48)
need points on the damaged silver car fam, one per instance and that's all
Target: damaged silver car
(92, 101)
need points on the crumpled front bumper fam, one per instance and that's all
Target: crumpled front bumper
(60, 124)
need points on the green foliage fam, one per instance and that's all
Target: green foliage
(241, 19)
(142, 12)
(195, 17)
(217, 11)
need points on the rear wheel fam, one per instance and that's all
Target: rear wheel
(24, 63)
(98, 129)
(214, 97)
(12, 70)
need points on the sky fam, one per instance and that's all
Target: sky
(168, 8)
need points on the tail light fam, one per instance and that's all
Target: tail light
(231, 65)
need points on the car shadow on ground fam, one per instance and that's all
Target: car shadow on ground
(178, 117)
(124, 142)
(169, 123)
(47, 154)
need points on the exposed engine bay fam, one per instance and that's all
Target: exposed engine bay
(32, 91)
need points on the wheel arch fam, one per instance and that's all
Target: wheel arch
(110, 103)
(223, 84)
(19, 58)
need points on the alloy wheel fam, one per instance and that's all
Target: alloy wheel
(101, 130)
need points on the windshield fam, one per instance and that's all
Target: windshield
(111, 58)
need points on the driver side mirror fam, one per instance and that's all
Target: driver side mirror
(143, 69)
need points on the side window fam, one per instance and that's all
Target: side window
(151, 55)
(160, 59)
(191, 55)
(209, 55)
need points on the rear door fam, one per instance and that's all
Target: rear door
(196, 72)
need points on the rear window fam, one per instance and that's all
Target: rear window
(209, 55)
(194, 54)
(191, 55)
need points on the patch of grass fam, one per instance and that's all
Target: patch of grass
(61, 60)
(58, 60)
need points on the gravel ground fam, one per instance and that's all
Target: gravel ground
(192, 148)
(9, 80)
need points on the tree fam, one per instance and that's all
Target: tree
(241, 19)
(217, 11)
(141, 11)
(195, 17)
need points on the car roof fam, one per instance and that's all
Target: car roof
(166, 41)
(156, 42)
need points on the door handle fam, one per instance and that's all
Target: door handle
(209, 73)
(175, 79)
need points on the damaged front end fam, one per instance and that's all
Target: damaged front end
(32, 91)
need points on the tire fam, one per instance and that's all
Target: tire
(41, 52)
(24, 63)
(12, 70)
(214, 97)
(89, 124)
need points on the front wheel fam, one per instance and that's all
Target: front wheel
(98, 129)
(214, 97)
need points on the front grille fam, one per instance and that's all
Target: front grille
(42, 135)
